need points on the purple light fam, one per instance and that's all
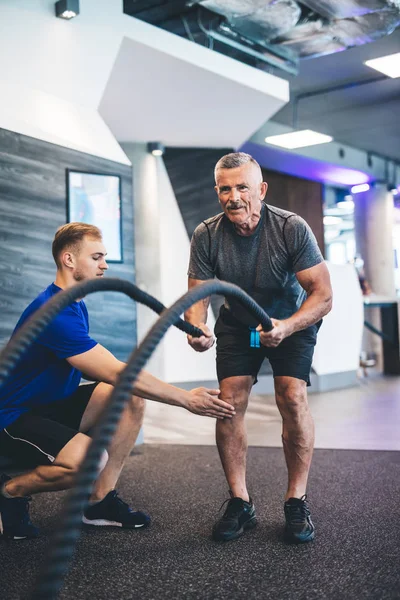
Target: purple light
(357, 189)
(282, 161)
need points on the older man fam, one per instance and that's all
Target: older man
(273, 255)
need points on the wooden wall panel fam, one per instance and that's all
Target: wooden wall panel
(32, 207)
(301, 196)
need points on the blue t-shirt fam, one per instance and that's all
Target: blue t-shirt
(43, 375)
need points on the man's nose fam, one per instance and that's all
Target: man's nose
(104, 265)
(234, 194)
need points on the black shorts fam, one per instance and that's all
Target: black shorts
(235, 356)
(39, 435)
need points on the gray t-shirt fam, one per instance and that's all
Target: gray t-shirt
(263, 264)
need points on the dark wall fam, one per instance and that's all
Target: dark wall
(191, 171)
(301, 196)
(32, 207)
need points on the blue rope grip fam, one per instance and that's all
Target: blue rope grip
(254, 338)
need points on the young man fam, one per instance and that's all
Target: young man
(273, 255)
(45, 415)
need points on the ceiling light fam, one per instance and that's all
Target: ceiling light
(156, 148)
(346, 205)
(298, 139)
(328, 220)
(388, 65)
(357, 189)
(67, 9)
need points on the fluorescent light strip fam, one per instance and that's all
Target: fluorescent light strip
(362, 187)
(298, 139)
(388, 65)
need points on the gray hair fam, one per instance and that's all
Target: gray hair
(234, 160)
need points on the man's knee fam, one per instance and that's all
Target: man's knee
(236, 390)
(70, 458)
(291, 396)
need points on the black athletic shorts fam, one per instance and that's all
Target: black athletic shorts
(36, 437)
(235, 356)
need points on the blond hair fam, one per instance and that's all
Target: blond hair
(70, 236)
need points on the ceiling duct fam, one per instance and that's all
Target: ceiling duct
(259, 21)
(318, 43)
(234, 9)
(322, 36)
(324, 27)
(272, 33)
(343, 9)
(365, 29)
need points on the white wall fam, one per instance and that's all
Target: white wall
(339, 339)
(55, 73)
(52, 119)
(182, 363)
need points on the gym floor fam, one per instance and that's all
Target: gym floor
(177, 477)
(364, 417)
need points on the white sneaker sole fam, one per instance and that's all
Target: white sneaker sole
(105, 523)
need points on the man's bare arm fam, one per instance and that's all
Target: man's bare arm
(198, 312)
(197, 315)
(316, 282)
(99, 364)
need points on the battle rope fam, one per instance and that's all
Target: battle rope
(63, 542)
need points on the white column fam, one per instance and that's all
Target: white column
(147, 241)
(162, 255)
(373, 219)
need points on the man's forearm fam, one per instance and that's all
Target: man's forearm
(197, 313)
(151, 388)
(314, 308)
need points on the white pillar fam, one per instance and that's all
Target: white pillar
(162, 255)
(373, 220)
(147, 241)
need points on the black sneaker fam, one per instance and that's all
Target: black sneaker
(238, 516)
(15, 523)
(299, 527)
(114, 512)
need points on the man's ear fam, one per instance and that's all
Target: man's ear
(67, 259)
(264, 188)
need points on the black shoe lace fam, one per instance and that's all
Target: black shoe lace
(298, 512)
(119, 503)
(232, 508)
